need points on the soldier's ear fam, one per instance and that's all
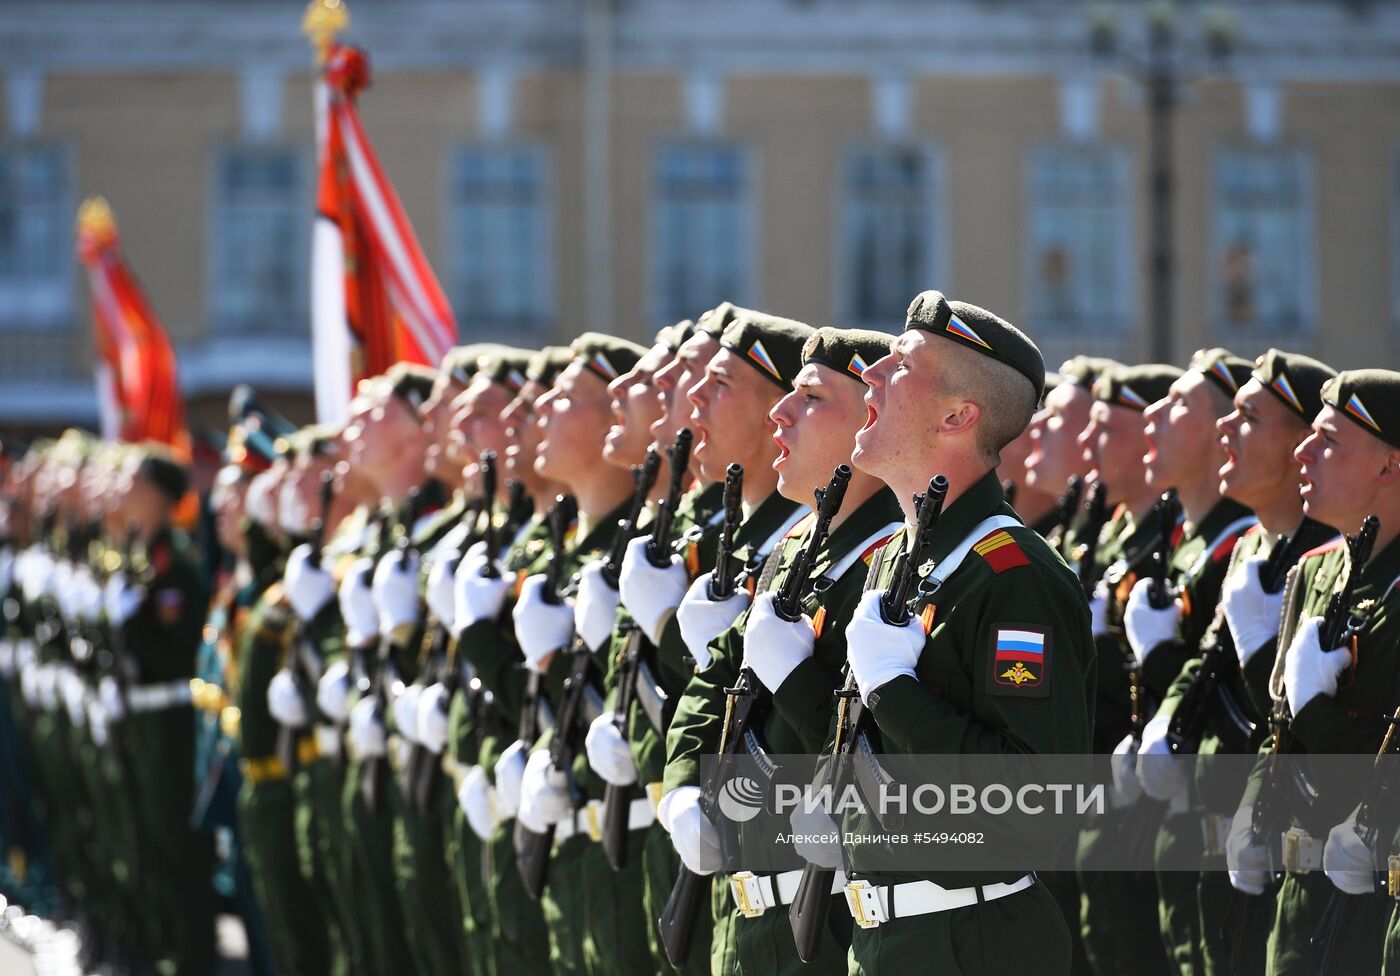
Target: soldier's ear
(1390, 472)
(960, 417)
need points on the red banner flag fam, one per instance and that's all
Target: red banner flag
(137, 385)
(375, 300)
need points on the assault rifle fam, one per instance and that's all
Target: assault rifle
(808, 911)
(677, 921)
(1096, 517)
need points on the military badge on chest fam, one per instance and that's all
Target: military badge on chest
(1020, 661)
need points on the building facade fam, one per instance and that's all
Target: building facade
(620, 164)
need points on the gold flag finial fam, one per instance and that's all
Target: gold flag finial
(323, 20)
(95, 218)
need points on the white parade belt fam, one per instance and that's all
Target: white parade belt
(754, 894)
(159, 696)
(328, 742)
(871, 905)
(589, 819)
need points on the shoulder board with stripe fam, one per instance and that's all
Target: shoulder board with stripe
(875, 547)
(1326, 547)
(803, 524)
(1000, 551)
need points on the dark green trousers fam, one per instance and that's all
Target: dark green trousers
(1020, 935)
(520, 942)
(764, 945)
(615, 927)
(1391, 964)
(1178, 915)
(464, 852)
(371, 838)
(289, 908)
(1301, 900)
(319, 838)
(432, 916)
(565, 895)
(1118, 909)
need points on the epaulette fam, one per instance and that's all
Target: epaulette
(1001, 551)
(1326, 547)
(875, 547)
(803, 524)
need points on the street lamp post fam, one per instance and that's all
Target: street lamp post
(1162, 66)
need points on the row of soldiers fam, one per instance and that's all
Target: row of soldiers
(454, 703)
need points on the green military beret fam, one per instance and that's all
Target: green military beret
(1135, 387)
(506, 365)
(847, 351)
(606, 357)
(411, 382)
(979, 330)
(461, 362)
(1371, 397)
(309, 441)
(769, 344)
(1084, 370)
(250, 446)
(672, 336)
(243, 402)
(1296, 380)
(160, 467)
(547, 364)
(717, 319)
(1223, 368)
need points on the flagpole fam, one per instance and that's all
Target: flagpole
(330, 330)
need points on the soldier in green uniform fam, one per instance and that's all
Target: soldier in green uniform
(1038, 504)
(959, 385)
(297, 929)
(159, 612)
(652, 409)
(797, 665)
(1183, 454)
(504, 375)
(1272, 410)
(1331, 700)
(1118, 908)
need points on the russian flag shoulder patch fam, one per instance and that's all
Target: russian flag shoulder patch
(1019, 660)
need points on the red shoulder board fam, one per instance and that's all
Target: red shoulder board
(1178, 533)
(1001, 551)
(1225, 546)
(874, 547)
(160, 559)
(803, 524)
(1327, 546)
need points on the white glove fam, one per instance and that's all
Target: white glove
(109, 693)
(1348, 861)
(432, 717)
(441, 595)
(121, 601)
(1251, 613)
(368, 739)
(476, 597)
(608, 752)
(541, 626)
(648, 593)
(73, 691)
(774, 647)
(1148, 628)
(595, 606)
(695, 838)
(702, 619)
(1098, 610)
(357, 604)
(474, 797)
(510, 774)
(476, 555)
(7, 659)
(405, 706)
(309, 588)
(333, 691)
(1124, 764)
(284, 701)
(396, 591)
(1246, 856)
(880, 652)
(544, 793)
(1309, 671)
(1162, 774)
(90, 603)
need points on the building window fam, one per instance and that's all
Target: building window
(889, 234)
(1262, 276)
(36, 238)
(702, 239)
(1080, 263)
(499, 241)
(259, 242)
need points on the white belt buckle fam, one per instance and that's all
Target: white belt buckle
(593, 821)
(1392, 877)
(748, 894)
(864, 903)
(1217, 831)
(1301, 852)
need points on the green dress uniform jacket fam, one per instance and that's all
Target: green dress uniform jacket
(960, 701)
(1353, 721)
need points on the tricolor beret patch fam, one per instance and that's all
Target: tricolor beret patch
(1357, 409)
(1130, 398)
(1222, 372)
(515, 380)
(1283, 388)
(603, 367)
(857, 365)
(1001, 551)
(765, 362)
(961, 329)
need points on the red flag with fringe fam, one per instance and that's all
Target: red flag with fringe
(138, 391)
